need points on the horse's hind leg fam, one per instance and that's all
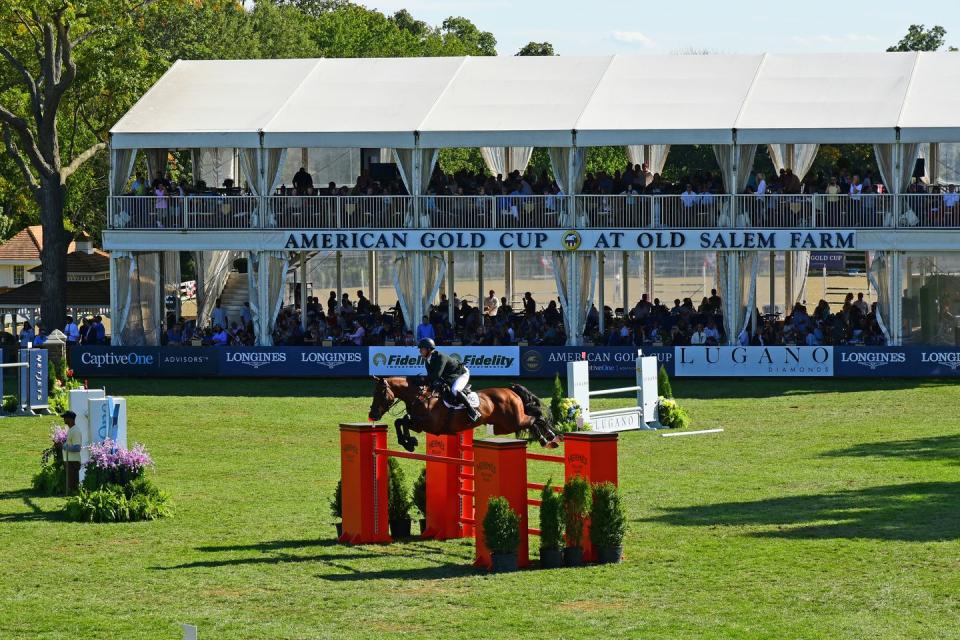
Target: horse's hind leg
(402, 425)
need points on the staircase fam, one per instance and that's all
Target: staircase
(235, 293)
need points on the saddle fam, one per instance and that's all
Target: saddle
(452, 402)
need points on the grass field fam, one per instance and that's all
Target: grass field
(825, 510)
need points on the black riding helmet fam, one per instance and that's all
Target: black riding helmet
(427, 343)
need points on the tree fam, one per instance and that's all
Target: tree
(536, 49)
(919, 38)
(41, 42)
(481, 42)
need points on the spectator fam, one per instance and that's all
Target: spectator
(302, 181)
(490, 304)
(218, 317)
(425, 330)
(72, 332)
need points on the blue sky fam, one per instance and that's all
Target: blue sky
(599, 27)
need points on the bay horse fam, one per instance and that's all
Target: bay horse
(506, 410)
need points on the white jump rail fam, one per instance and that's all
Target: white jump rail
(642, 417)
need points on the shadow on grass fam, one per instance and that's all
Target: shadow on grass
(274, 550)
(437, 572)
(940, 448)
(36, 513)
(916, 512)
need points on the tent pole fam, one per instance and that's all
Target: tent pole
(339, 276)
(602, 271)
(773, 282)
(625, 281)
(372, 270)
(303, 290)
(451, 310)
(480, 280)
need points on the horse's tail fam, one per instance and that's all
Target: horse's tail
(531, 403)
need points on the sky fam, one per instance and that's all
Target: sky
(601, 27)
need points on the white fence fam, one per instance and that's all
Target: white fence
(683, 211)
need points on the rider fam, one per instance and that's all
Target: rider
(441, 368)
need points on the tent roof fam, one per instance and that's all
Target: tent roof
(548, 101)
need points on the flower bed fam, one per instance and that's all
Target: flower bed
(51, 480)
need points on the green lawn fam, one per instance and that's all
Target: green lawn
(825, 510)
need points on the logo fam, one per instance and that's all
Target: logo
(487, 470)
(379, 359)
(456, 356)
(330, 359)
(100, 360)
(350, 452)
(532, 361)
(946, 358)
(256, 359)
(571, 240)
(873, 360)
(436, 447)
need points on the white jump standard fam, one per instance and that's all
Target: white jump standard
(643, 417)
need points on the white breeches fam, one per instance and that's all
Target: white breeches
(460, 382)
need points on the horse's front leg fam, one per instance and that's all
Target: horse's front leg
(402, 426)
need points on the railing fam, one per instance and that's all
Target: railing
(684, 211)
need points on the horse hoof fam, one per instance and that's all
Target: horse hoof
(552, 444)
(411, 445)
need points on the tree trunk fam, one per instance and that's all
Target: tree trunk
(53, 256)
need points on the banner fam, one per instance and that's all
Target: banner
(285, 362)
(114, 361)
(831, 261)
(561, 240)
(773, 362)
(605, 362)
(481, 361)
(897, 362)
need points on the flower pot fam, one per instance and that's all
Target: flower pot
(339, 526)
(423, 526)
(573, 556)
(503, 562)
(400, 528)
(609, 555)
(551, 558)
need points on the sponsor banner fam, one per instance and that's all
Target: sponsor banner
(89, 361)
(189, 361)
(564, 240)
(769, 362)
(265, 362)
(907, 362)
(832, 261)
(605, 362)
(481, 361)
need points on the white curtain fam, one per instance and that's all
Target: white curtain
(416, 278)
(569, 168)
(799, 161)
(896, 181)
(121, 168)
(880, 280)
(576, 276)
(123, 275)
(250, 166)
(653, 155)
(266, 278)
(138, 287)
(416, 168)
(213, 269)
(156, 162)
(505, 160)
(738, 158)
(799, 158)
(212, 166)
(737, 277)
(171, 279)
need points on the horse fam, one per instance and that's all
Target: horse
(506, 410)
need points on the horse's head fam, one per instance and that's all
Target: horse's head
(383, 399)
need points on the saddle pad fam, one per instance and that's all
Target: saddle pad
(472, 398)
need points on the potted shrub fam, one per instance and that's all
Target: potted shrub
(576, 508)
(608, 522)
(420, 497)
(336, 507)
(551, 528)
(398, 501)
(501, 533)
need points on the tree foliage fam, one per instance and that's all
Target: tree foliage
(919, 38)
(536, 49)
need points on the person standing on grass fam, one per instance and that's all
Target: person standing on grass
(71, 451)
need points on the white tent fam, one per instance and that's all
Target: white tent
(549, 101)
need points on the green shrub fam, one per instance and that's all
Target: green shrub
(556, 411)
(663, 383)
(608, 521)
(501, 526)
(576, 506)
(672, 415)
(51, 480)
(398, 500)
(420, 492)
(10, 404)
(336, 502)
(138, 500)
(551, 518)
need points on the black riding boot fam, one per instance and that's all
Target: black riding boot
(472, 413)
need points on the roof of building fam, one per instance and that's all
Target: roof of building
(93, 293)
(25, 246)
(549, 101)
(83, 262)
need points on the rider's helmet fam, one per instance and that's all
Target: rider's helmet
(427, 343)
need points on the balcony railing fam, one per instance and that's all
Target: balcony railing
(684, 211)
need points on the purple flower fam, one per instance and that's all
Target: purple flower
(58, 435)
(107, 455)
